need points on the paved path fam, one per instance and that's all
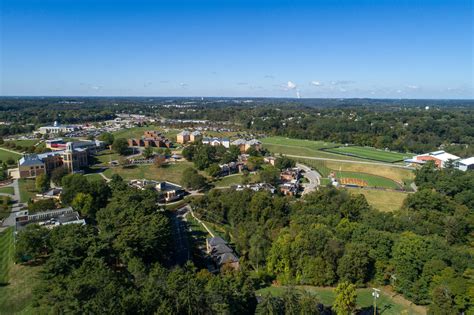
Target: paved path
(312, 176)
(10, 220)
(8, 150)
(349, 161)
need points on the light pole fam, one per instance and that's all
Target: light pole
(376, 295)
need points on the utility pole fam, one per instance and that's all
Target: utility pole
(376, 295)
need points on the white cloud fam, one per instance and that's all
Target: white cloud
(183, 84)
(342, 82)
(316, 83)
(290, 85)
(413, 87)
(298, 94)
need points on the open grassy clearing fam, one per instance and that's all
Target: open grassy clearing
(5, 155)
(370, 153)
(26, 143)
(382, 200)
(171, 172)
(385, 304)
(314, 145)
(137, 132)
(27, 189)
(234, 179)
(7, 190)
(6, 259)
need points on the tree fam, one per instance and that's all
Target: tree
(147, 153)
(107, 137)
(120, 145)
(31, 243)
(284, 162)
(84, 204)
(192, 179)
(159, 161)
(42, 183)
(355, 265)
(270, 175)
(346, 296)
(214, 170)
(57, 175)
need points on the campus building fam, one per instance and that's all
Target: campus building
(244, 145)
(225, 142)
(440, 158)
(57, 129)
(72, 159)
(151, 139)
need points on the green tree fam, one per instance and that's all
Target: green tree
(346, 296)
(107, 137)
(192, 179)
(148, 152)
(120, 145)
(270, 175)
(31, 243)
(57, 175)
(83, 203)
(42, 183)
(214, 170)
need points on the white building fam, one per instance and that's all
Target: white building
(465, 164)
(57, 129)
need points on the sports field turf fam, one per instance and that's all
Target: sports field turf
(382, 200)
(370, 153)
(282, 145)
(385, 305)
(372, 180)
(399, 175)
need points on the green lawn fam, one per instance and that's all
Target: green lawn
(27, 189)
(171, 172)
(7, 190)
(385, 304)
(5, 155)
(16, 280)
(370, 153)
(234, 179)
(382, 200)
(137, 132)
(26, 143)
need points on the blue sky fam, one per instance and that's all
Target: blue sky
(396, 49)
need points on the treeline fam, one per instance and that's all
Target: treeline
(121, 262)
(330, 236)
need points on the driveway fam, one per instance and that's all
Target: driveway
(312, 176)
(10, 220)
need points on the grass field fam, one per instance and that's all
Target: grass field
(27, 189)
(372, 180)
(171, 172)
(26, 143)
(16, 281)
(385, 305)
(234, 179)
(370, 153)
(382, 200)
(282, 145)
(137, 132)
(5, 155)
(7, 190)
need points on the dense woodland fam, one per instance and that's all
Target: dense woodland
(123, 261)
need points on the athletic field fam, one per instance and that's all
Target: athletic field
(370, 153)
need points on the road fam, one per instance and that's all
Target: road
(349, 161)
(182, 251)
(312, 176)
